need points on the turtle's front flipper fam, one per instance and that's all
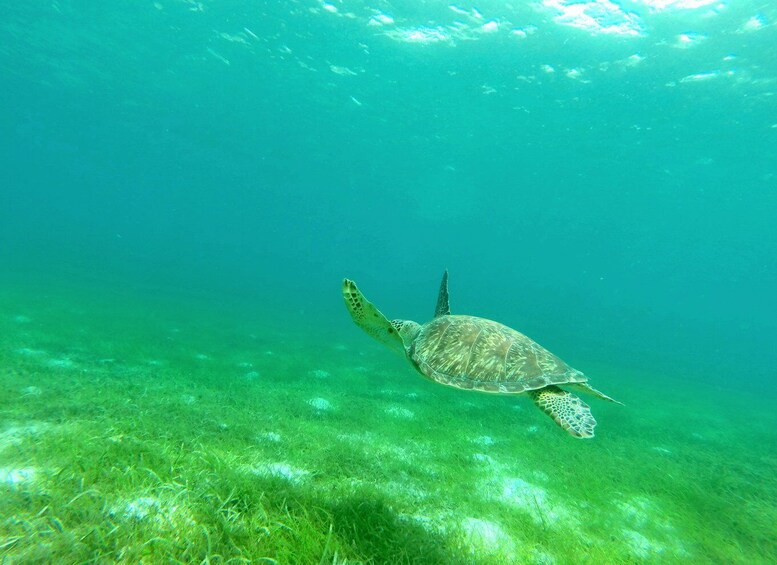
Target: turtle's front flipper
(566, 409)
(370, 319)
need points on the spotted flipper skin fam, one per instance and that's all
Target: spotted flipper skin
(566, 409)
(370, 319)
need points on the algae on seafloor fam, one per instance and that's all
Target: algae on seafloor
(130, 433)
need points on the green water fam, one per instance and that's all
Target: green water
(184, 184)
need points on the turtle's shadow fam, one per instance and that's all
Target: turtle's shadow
(367, 523)
(380, 534)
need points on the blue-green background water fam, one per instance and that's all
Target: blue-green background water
(613, 194)
(184, 184)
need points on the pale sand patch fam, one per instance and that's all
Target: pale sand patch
(640, 546)
(489, 537)
(406, 489)
(640, 513)
(320, 404)
(16, 434)
(484, 441)
(15, 477)
(372, 444)
(361, 437)
(400, 413)
(28, 352)
(485, 459)
(436, 523)
(534, 500)
(159, 510)
(281, 470)
(62, 363)
(270, 437)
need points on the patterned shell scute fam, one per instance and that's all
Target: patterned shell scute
(478, 354)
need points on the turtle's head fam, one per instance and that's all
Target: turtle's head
(407, 330)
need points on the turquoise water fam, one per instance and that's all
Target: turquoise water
(184, 185)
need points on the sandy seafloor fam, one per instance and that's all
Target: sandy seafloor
(133, 429)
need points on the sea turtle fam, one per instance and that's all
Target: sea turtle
(473, 353)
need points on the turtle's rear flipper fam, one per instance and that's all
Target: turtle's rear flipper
(566, 409)
(585, 387)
